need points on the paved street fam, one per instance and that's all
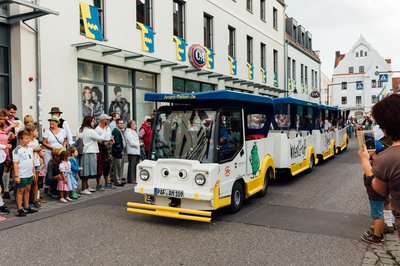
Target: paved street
(313, 219)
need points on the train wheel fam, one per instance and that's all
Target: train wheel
(237, 197)
(312, 163)
(267, 177)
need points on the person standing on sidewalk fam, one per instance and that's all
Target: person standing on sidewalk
(384, 175)
(24, 170)
(145, 134)
(118, 151)
(104, 156)
(88, 162)
(55, 111)
(132, 149)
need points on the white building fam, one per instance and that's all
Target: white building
(326, 89)
(356, 83)
(96, 49)
(302, 63)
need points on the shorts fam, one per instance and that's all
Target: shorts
(27, 181)
(376, 208)
(37, 168)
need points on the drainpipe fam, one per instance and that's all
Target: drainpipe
(39, 77)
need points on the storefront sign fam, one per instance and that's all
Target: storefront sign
(315, 94)
(197, 55)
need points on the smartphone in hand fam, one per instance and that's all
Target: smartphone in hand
(369, 140)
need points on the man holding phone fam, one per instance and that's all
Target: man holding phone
(384, 176)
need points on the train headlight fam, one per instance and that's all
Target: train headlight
(164, 172)
(182, 173)
(200, 179)
(144, 175)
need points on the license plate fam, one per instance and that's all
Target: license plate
(168, 192)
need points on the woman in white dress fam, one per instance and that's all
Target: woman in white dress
(132, 149)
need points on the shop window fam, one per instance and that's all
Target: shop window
(4, 89)
(189, 86)
(230, 135)
(142, 107)
(90, 71)
(192, 86)
(120, 99)
(120, 76)
(179, 18)
(145, 80)
(144, 12)
(179, 85)
(100, 7)
(208, 31)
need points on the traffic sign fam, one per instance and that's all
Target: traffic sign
(383, 77)
(360, 85)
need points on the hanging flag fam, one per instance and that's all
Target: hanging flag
(180, 49)
(275, 81)
(263, 75)
(232, 65)
(147, 38)
(289, 84)
(383, 93)
(250, 71)
(91, 22)
(294, 84)
(210, 58)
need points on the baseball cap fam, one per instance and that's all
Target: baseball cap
(104, 116)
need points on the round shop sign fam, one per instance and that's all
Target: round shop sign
(197, 55)
(315, 94)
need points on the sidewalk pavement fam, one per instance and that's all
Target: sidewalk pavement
(54, 204)
(387, 254)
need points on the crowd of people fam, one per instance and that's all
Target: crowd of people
(56, 165)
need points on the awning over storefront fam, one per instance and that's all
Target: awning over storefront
(128, 55)
(14, 11)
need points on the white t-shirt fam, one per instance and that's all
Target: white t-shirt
(55, 140)
(33, 145)
(24, 158)
(107, 135)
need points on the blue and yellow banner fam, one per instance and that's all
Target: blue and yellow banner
(147, 38)
(180, 48)
(210, 58)
(91, 22)
(263, 75)
(250, 71)
(233, 65)
(275, 81)
(294, 84)
(289, 84)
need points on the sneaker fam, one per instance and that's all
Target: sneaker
(68, 199)
(21, 213)
(91, 190)
(73, 195)
(86, 192)
(387, 229)
(100, 187)
(36, 204)
(6, 195)
(63, 200)
(109, 186)
(373, 239)
(2, 218)
(30, 210)
(4, 210)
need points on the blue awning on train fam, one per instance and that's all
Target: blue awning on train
(289, 100)
(199, 97)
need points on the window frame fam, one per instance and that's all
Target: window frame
(263, 55)
(148, 13)
(275, 18)
(208, 30)
(249, 48)
(351, 70)
(262, 10)
(361, 69)
(344, 85)
(345, 100)
(232, 41)
(275, 56)
(249, 6)
(181, 18)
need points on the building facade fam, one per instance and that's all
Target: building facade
(98, 56)
(326, 89)
(356, 78)
(303, 66)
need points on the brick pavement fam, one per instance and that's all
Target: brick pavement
(387, 254)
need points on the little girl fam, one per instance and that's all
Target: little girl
(65, 168)
(73, 159)
(62, 185)
(41, 172)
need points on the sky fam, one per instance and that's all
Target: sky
(336, 25)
